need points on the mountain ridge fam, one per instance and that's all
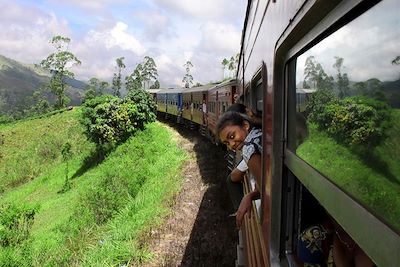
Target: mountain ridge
(18, 82)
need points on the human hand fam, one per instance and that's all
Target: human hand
(244, 207)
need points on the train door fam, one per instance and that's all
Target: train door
(340, 176)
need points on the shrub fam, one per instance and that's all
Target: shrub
(354, 120)
(315, 109)
(109, 120)
(144, 102)
(106, 198)
(15, 223)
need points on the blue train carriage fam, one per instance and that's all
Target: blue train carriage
(327, 76)
(174, 104)
(161, 98)
(192, 113)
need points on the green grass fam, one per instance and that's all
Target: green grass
(100, 220)
(372, 177)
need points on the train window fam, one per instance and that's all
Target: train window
(348, 109)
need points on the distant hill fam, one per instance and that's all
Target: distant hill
(18, 81)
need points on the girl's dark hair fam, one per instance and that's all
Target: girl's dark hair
(231, 118)
(237, 107)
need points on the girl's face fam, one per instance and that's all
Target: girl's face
(233, 135)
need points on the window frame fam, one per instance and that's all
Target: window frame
(356, 219)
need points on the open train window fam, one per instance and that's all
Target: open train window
(256, 93)
(343, 127)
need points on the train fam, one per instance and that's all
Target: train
(325, 62)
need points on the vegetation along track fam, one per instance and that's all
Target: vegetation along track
(198, 232)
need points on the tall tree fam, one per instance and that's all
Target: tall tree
(232, 65)
(58, 63)
(342, 80)
(102, 87)
(156, 85)
(310, 72)
(188, 78)
(134, 81)
(149, 71)
(224, 63)
(117, 77)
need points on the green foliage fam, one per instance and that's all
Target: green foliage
(116, 82)
(372, 177)
(105, 198)
(57, 63)
(156, 85)
(66, 155)
(15, 223)
(31, 147)
(145, 104)
(353, 120)
(69, 232)
(316, 106)
(109, 120)
(143, 73)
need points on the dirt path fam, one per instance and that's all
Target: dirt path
(199, 231)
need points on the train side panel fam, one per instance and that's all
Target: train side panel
(278, 38)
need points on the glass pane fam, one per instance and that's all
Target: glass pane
(348, 109)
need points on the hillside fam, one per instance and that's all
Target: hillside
(68, 225)
(18, 81)
(114, 212)
(373, 178)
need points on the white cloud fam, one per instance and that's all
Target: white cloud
(169, 31)
(204, 9)
(118, 36)
(26, 32)
(220, 38)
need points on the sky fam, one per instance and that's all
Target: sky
(373, 37)
(170, 31)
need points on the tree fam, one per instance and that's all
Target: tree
(342, 79)
(134, 81)
(102, 87)
(117, 76)
(144, 72)
(58, 63)
(188, 78)
(149, 71)
(156, 85)
(40, 103)
(396, 60)
(224, 63)
(310, 72)
(232, 65)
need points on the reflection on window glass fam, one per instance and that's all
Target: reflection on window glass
(348, 109)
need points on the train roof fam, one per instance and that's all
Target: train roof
(224, 83)
(200, 88)
(172, 90)
(153, 91)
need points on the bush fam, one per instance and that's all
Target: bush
(354, 120)
(15, 223)
(315, 109)
(109, 120)
(144, 102)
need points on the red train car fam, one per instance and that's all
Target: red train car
(220, 97)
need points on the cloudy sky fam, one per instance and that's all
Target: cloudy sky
(170, 31)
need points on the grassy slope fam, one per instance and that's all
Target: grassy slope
(377, 187)
(128, 191)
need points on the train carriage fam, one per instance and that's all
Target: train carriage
(170, 102)
(161, 98)
(220, 97)
(192, 105)
(311, 67)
